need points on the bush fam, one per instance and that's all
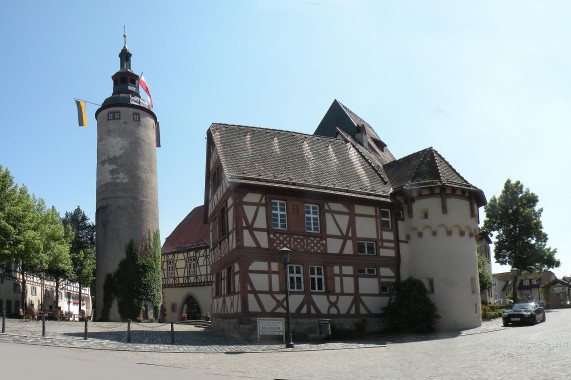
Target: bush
(492, 311)
(412, 310)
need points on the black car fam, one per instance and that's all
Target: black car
(526, 312)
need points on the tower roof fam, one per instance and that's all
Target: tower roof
(427, 168)
(125, 85)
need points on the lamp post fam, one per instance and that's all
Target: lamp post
(284, 258)
(514, 274)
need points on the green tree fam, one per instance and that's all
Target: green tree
(484, 274)
(82, 250)
(58, 265)
(412, 310)
(520, 240)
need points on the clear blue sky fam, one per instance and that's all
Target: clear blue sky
(487, 84)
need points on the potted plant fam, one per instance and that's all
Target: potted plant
(206, 316)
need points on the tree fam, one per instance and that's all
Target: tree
(520, 241)
(82, 250)
(412, 310)
(58, 265)
(484, 274)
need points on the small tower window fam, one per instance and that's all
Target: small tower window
(136, 117)
(132, 81)
(123, 80)
(114, 115)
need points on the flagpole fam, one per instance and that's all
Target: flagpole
(81, 100)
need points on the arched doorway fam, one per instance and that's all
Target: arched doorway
(192, 309)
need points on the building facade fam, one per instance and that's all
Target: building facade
(355, 218)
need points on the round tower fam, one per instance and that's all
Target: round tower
(127, 195)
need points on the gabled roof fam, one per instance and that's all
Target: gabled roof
(191, 231)
(340, 117)
(427, 168)
(276, 158)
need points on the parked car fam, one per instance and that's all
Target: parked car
(525, 312)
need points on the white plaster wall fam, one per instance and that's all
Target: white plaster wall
(449, 260)
(368, 285)
(366, 227)
(260, 281)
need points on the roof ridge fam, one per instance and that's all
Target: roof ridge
(274, 130)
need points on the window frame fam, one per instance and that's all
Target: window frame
(366, 245)
(295, 276)
(189, 261)
(136, 116)
(229, 280)
(278, 214)
(312, 218)
(387, 287)
(316, 279)
(386, 220)
(367, 271)
(170, 268)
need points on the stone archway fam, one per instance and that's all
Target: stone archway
(191, 308)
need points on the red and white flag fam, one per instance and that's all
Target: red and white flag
(143, 84)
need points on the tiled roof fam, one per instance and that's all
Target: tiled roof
(427, 168)
(192, 230)
(270, 157)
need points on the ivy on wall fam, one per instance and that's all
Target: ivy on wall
(138, 278)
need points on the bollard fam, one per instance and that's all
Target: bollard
(128, 331)
(43, 325)
(172, 333)
(3, 322)
(85, 333)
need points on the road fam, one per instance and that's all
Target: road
(526, 352)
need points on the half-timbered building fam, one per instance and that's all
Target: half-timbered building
(355, 219)
(187, 280)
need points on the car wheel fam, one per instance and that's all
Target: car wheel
(506, 324)
(543, 319)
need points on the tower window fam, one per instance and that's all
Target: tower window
(132, 81)
(136, 117)
(114, 116)
(123, 80)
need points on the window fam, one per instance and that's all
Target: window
(366, 248)
(311, 218)
(424, 213)
(386, 219)
(218, 288)
(173, 307)
(46, 293)
(385, 289)
(33, 290)
(136, 116)
(170, 268)
(116, 115)
(191, 266)
(473, 284)
(295, 275)
(526, 282)
(367, 271)
(16, 287)
(430, 285)
(316, 279)
(279, 216)
(229, 280)
(223, 223)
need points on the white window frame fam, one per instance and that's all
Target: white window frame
(295, 277)
(311, 218)
(367, 251)
(367, 271)
(316, 278)
(279, 215)
(170, 268)
(33, 290)
(191, 266)
(386, 219)
(385, 289)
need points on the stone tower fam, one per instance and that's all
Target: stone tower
(127, 195)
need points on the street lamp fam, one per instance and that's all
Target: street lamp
(514, 274)
(284, 258)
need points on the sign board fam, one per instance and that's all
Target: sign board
(271, 326)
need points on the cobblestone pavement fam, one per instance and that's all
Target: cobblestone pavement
(145, 337)
(487, 352)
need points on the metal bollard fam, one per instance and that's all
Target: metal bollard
(85, 333)
(128, 331)
(172, 333)
(43, 325)
(3, 322)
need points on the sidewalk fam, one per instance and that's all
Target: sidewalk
(156, 337)
(147, 337)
